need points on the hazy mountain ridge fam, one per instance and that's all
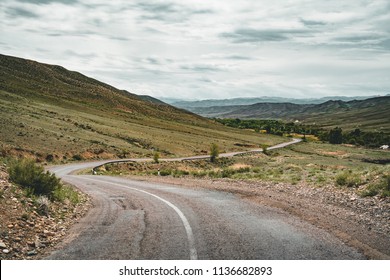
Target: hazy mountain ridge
(372, 113)
(253, 100)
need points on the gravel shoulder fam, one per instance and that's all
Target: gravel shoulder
(363, 223)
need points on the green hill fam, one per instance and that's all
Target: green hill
(49, 112)
(369, 114)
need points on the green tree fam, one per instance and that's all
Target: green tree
(336, 136)
(156, 157)
(265, 149)
(214, 152)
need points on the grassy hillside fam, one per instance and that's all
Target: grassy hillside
(368, 114)
(51, 113)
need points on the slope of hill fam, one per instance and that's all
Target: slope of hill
(369, 114)
(51, 113)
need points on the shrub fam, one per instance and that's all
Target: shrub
(243, 169)
(66, 193)
(382, 187)
(199, 174)
(371, 190)
(156, 157)
(43, 204)
(214, 152)
(165, 172)
(180, 173)
(265, 149)
(341, 179)
(227, 173)
(49, 158)
(77, 157)
(32, 177)
(348, 179)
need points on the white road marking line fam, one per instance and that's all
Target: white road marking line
(186, 224)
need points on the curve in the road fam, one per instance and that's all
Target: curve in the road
(133, 220)
(186, 224)
(62, 170)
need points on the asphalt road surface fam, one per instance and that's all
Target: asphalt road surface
(140, 220)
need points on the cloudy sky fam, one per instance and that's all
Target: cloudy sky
(198, 49)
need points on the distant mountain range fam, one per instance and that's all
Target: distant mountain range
(368, 113)
(185, 104)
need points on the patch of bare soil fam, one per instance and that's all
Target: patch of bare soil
(28, 231)
(363, 223)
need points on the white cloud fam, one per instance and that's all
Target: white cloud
(209, 49)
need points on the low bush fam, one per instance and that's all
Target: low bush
(43, 205)
(348, 179)
(66, 193)
(180, 173)
(77, 157)
(33, 177)
(214, 152)
(165, 172)
(40, 184)
(156, 157)
(381, 187)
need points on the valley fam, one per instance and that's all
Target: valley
(300, 196)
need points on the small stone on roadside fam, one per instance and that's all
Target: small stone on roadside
(32, 253)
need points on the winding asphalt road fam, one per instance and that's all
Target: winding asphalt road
(140, 220)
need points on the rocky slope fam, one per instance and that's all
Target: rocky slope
(29, 228)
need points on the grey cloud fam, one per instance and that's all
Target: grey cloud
(385, 44)
(53, 34)
(358, 38)
(157, 8)
(205, 80)
(247, 35)
(20, 12)
(200, 68)
(119, 38)
(153, 61)
(80, 33)
(311, 23)
(239, 57)
(38, 2)
(42, 50)
(168, 12)
(374, 41)
(80, 55)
